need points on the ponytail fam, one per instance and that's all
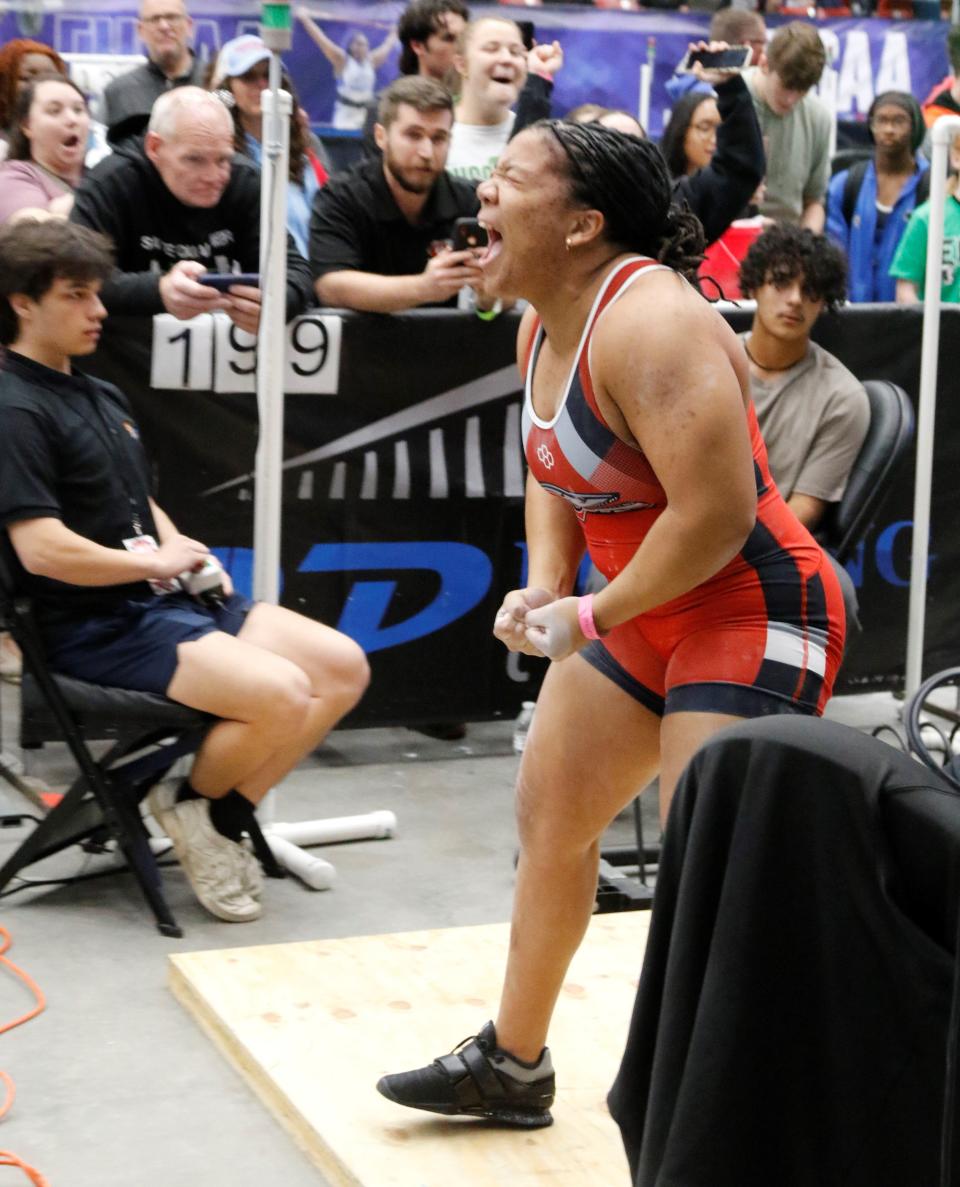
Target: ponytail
(682, 243)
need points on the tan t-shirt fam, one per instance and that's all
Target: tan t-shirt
(813, 419)
(798, 154)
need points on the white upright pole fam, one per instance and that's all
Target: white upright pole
(646, 86)
(271, 341)
(944, 131)
(277, 33)
(643, 107)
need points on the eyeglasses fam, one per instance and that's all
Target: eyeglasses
(168, 18)
(705, 129)
(890, 121)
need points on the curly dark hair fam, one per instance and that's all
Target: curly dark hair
(785, 252)
(33, 255)
(626, 179)
(418, 20)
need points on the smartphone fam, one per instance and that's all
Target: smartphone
(731, 60)
(225, 280)
(467, 233)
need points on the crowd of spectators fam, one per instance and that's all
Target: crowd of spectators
(744, 148)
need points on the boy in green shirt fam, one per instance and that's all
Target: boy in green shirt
(910, 263)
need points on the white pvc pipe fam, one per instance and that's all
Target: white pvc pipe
(646, 85)
(372, 826)
(943, 133)
(277, 108)
(313, 871)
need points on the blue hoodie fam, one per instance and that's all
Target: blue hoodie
(869, 264)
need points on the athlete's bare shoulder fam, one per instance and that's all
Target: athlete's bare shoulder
(662, 344)
(664, 321)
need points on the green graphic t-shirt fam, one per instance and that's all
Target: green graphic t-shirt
(910, 262)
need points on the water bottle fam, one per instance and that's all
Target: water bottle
(521, 726)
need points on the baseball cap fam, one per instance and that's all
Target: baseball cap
(238, 56)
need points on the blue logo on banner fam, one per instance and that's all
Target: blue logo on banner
(465, 575)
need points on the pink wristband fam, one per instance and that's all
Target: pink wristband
(588, 624)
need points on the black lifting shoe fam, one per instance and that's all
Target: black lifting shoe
(477, 1079)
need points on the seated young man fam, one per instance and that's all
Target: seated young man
(813, 413)
(100, 560)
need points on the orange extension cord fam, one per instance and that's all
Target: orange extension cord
(6, 1158)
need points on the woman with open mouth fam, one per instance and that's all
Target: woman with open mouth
(643, 447)
(47, 150)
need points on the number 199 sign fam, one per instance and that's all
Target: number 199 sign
(209, 353)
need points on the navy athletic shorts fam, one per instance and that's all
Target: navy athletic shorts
(135, 646)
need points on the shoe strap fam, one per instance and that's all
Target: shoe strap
(479, 1067)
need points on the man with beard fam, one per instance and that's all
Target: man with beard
(164, 28)
(380, 233)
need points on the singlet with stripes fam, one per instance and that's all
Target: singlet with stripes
(611, 484)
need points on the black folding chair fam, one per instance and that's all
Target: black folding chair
(884, 448)
(147, 734)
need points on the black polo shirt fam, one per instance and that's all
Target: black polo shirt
(70, 450)
(357, 224)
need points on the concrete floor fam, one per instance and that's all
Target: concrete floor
(116, 1086)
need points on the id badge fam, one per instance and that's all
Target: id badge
(146, 543)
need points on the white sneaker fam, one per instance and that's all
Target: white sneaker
(11, 662)
(251, 873)
(211, 861)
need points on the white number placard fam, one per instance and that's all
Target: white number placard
(313, 355)
(182, 356)
(235, 369)
(210, 353)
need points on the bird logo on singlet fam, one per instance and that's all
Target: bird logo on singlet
(601, 503)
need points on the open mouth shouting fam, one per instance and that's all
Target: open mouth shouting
(494, 246)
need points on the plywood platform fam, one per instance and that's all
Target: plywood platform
(312, 1026)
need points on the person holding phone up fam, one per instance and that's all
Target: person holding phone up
(384, 235)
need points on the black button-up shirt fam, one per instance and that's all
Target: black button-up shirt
(70, 450)
(358, 226)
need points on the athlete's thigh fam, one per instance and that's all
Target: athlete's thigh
(592, 747)
(681, 736)
(232, 678)
(317, 649)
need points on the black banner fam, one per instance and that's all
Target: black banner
(403, 490)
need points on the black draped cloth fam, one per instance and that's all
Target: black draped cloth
(790, 1027)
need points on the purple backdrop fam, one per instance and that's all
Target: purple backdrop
(604, 49)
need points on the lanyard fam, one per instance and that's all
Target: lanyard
(129, 474)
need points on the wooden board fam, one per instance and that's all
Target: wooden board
(312, 1026)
